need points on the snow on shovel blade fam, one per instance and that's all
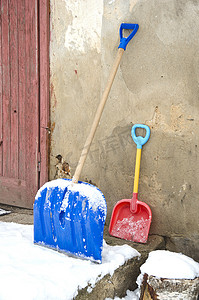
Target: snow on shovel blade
(70, 218)
(129, 225)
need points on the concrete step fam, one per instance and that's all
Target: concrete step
(124, 278)
(17, 215)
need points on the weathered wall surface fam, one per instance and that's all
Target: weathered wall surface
(157, 84)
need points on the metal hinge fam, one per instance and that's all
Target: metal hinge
(39, 162)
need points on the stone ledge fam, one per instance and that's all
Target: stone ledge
(17, 215)
(163, 288)
(124, 278)
(186, 245)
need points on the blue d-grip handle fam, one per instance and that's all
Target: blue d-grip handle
(140, 140)
(124, 41)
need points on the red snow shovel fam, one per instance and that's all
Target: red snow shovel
(131, 218)
(69, 215)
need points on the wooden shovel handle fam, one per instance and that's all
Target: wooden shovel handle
(97, 116)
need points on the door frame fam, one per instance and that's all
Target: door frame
(44, 90)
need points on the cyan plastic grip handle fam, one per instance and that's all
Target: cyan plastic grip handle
(140, 140)
(124, 41)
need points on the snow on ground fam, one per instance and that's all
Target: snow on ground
(4, 212)
(32, 272)
(130, 295)
(29, 271)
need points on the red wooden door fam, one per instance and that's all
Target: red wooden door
(20, 102)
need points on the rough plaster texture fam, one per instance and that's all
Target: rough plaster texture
(157, 84)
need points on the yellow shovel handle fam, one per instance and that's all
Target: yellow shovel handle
(137, 170)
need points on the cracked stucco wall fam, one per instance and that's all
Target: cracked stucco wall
(157, 84)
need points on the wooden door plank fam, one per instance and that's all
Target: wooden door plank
(6, 88)
(13, 88)
(44, 88)
(32, 96)
(13, 189)
(1, 102)
(22, 88)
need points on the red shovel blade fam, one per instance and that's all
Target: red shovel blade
(131, 225)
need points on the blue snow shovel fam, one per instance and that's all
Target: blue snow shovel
(69, 215)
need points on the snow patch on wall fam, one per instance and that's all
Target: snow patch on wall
(85, 29)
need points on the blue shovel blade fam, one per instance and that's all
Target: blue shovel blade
(70, 218)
